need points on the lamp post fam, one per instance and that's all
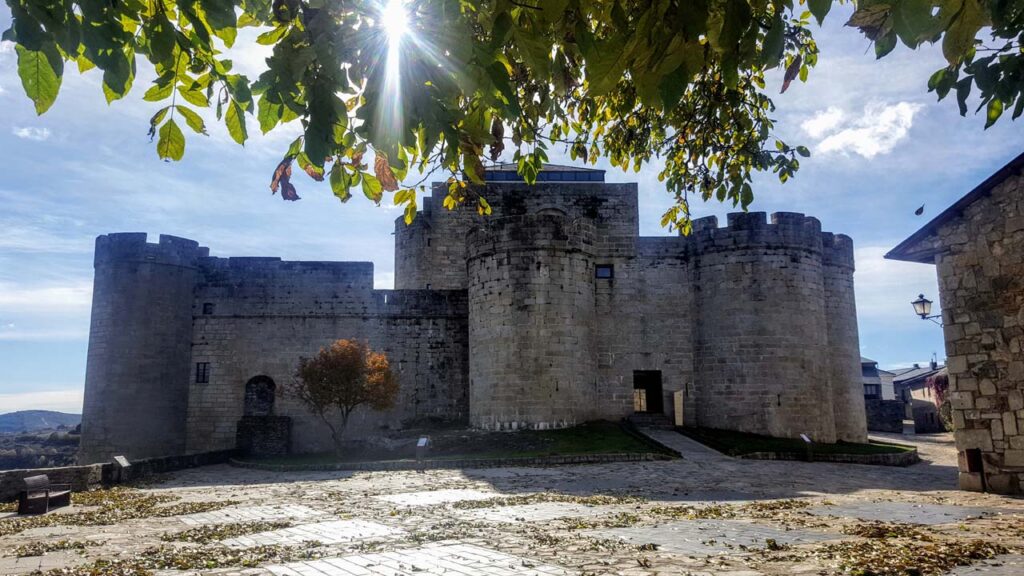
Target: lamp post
(923, 308)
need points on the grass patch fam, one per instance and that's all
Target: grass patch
(740, 443)
(599, 437)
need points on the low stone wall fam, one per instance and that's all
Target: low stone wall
(90, 476)
(895, 459)
(79, 477)
(885, 415)
(387, 465)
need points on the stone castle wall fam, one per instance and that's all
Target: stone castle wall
(499, 321)
(431, 252)
(764, 370)
(531, 318)
(136, 380)
(981, 285)
(268, 313)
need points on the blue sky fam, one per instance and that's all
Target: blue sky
(881, 147)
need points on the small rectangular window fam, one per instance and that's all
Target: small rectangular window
(605, 271)
(202, 372)
(208, 308)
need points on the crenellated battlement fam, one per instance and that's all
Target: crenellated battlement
(746, 230)
(838, 250)
(752, 230)
(134, 247)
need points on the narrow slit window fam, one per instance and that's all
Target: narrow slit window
(202, 372)
(207, 308)
(605, 271)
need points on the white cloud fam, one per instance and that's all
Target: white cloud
(62, 299)
(31, 133)
(885, 288)
(6, 47)
(875, 132)
(823, 122)
(66, 400)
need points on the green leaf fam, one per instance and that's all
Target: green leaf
(885, 44)
(171, 145)
(269, 114)
(273, 36)
(774, 43)
(158, 118)
(340, 183)
(372, 188)
(819, 8)
(118, 76)
(605, 66)
(194, 121)
(235, 121)
(194, 97)
(994, 111)
(959, 37)
(158, 92)
(40, 72)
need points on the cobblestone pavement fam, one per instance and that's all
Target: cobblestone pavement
(704, 514)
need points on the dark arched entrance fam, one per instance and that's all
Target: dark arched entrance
(259, 432)
(259, 396)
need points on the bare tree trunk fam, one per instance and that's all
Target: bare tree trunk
(335, 437)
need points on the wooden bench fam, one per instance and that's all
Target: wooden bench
(40, 496)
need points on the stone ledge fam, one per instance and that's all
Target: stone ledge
(895, 459)
(391, 465)
(89, 476)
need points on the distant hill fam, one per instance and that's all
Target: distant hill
(32, 420)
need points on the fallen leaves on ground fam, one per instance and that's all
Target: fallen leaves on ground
(217, 532)
(887, 530)
(40, 548)
(111, 506)
(905, 557)
(545, 497)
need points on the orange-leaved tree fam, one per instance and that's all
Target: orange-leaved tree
(343, 376)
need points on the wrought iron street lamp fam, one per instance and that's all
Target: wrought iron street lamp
(923, 308)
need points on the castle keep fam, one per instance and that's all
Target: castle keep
(550, 312)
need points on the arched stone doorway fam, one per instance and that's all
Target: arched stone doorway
(259, 396)
(260, 432)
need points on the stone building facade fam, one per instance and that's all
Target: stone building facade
(977, 246)
(550, 312)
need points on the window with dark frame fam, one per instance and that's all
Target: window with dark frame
(604, 271)
(207, 308)
(202, 372)
(872, 391)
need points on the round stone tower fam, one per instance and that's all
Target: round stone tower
(843, 339)
(139, 361)
(532, 361)
(761, 363)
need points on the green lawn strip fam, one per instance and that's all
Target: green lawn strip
(740, 443)
(591, 438)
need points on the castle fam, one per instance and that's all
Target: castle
(550, 312)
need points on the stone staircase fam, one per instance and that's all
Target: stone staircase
(649, 420)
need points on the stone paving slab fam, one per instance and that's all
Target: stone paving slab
(335, 532)
(543, 512)
(1006, 565)
(433, 559)
(710, 537)
(251, 514)
(432, 497)
(906, 512)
